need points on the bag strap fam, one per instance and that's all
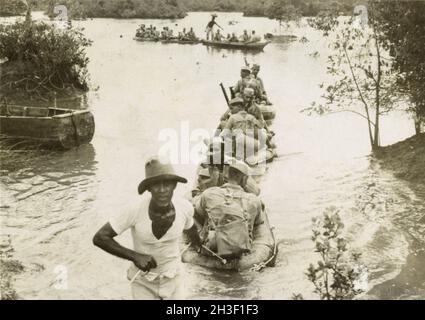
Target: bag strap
(243, 203)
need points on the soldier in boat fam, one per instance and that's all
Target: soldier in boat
(254, 37)
(246, 37)
(234, 38)
(191, 35)
(218, 206)
(243, 131)
(242, 83)
(260, 84)
(213, 170)
(218, 36)
(170, 33)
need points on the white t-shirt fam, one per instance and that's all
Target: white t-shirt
(165, 251)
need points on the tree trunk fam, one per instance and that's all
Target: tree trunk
(376, 140)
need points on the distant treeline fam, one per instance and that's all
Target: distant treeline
(146, 9)
(173, 9)
(265, 8)
(12, 8)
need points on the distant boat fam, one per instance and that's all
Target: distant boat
(52, 127)
(145, 39)
(280, 37)
(180, 41)
(259, 46)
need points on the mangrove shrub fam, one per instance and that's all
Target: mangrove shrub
(338, 274)
(40, 59)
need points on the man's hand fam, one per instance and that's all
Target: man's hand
(144, 262)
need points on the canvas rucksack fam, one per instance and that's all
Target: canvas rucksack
(231, 228)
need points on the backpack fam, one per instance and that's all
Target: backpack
(231, 230)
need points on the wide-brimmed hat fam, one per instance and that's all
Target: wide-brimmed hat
(214, 15)
(240, 166)
(155, 171)
(204, 172)
(236, 101)
(245, 68)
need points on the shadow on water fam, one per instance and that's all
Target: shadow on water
(226, 51)
(410, 282)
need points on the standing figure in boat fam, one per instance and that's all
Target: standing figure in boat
(210, 27)
(228, 215)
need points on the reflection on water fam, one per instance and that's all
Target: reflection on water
(52, 203)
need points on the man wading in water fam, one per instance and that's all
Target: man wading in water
(157, 223)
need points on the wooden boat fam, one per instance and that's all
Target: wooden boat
(180, 41)
(145, 39)
(258, 46)
(52, 127)
(280, 37)
(264, 252)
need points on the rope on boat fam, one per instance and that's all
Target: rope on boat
(260, 266)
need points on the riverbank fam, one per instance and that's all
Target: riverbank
(406, 158)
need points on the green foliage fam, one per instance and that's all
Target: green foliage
(363, 82)
(148, 9)
(12, 7)
(403, 25)
(177, 8)
(334, 276)
(284, 10)
(41, 58)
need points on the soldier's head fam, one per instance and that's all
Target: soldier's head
(245, 72)
(248, 95)
(160, 180)
(238, 173)
(255, 69)
(236, 105)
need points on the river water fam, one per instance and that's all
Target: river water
(53, 203)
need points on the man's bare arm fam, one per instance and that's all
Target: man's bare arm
(104, 239)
